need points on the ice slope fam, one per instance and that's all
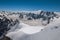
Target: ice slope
(51, 32)
(22, 31)
(26, 32)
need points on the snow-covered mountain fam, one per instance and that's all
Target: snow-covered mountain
(50, 32)
(17, 25)
(45, 17)
(6, 22)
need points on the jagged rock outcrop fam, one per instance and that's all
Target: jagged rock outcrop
(5, 24)
(5, 38)
(44, 15)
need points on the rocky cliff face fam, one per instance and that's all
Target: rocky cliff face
(42, 15)
(5, 24)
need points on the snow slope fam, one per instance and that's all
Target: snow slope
(26, 32)
(21, 31)
(51, 32)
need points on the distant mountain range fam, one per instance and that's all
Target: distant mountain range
(8, 19)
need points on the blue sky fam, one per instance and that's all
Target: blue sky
(47, 5)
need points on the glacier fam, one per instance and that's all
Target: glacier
(35, 33)
(23, 31)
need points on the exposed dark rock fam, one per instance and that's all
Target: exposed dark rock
(6, 38)
(5, 24)
(29, 18)
(56, 27)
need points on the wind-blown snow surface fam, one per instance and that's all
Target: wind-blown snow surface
(26, 32)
